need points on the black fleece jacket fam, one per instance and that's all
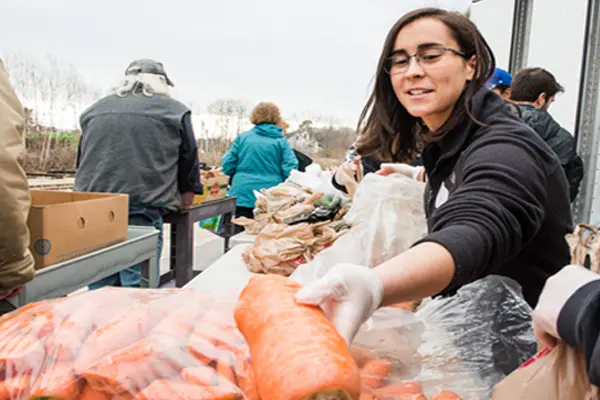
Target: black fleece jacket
(497, 200)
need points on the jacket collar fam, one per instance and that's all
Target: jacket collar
(453, 143)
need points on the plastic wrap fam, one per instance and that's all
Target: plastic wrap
(470, 341)
(464, 344)
(121, 344)
(387, 218)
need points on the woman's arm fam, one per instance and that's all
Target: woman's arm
(498, 208)
(423, 271)
(230, 159)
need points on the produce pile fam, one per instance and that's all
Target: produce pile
(290, 204)
(125, 344)
(292, 224)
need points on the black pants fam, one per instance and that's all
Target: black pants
(242, 212)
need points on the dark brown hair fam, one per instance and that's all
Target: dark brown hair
(386, 129)
(529, 83)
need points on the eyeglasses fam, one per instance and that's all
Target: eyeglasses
(427, 57)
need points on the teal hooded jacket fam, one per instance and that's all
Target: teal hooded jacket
(258, 159)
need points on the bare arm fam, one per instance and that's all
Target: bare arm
(422, 271)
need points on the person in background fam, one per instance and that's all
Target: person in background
(139, 141)
(17, 266)
(500, 83)
(534, 90)
(259, 158)
(569, 310)
(303, 160)
(346, 173)
(496, 200)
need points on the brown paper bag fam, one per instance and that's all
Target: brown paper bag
(557, 374)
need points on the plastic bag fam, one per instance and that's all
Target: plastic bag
(475, 338)
(124, 344)
(387, 217)
(466, 343)
(212, 224)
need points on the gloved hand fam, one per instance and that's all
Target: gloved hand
(557, 290)
(348, 294)
(400, 168)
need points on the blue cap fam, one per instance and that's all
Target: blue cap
(500, 77)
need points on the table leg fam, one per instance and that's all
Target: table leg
(150, 273)
(228, 228)
(184, 251)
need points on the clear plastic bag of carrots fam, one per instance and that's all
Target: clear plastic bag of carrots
(124, 344)
(465, 344)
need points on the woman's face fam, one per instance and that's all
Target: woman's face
(430, 87)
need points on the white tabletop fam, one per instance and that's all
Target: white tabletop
(228, 274)
(241, 238)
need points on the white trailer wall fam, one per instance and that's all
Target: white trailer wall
(555, 43)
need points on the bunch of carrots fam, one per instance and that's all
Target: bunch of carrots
(139, 344)
(124, 344)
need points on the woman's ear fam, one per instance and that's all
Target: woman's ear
(471, 66)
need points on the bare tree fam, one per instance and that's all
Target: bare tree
(75, 91)
(229, 113)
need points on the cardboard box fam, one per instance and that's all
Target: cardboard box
(66, 225)
(215, 188)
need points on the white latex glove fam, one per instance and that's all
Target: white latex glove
(348, 294)
(399, 168)
(557, 290)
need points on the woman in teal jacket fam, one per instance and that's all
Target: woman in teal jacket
(258, 159)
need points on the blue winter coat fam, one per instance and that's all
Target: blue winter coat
(258, 159)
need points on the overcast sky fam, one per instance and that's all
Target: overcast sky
(310, 57)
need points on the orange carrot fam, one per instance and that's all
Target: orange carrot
(224, 369)
(21, 355)
(81, 318)
(245, 377)
(88, 393)
(57, 381)
(173, 390)
(446, 395)
(179, 323)
(296, 351)
(202, 375)
(204, 348)
(66, 342)
(401, 391)
(130, 327)
(374, 373)
(15, 388)
(133, 368)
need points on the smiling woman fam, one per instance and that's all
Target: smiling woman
(496, 198)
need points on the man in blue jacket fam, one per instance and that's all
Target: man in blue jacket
(259, 158)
